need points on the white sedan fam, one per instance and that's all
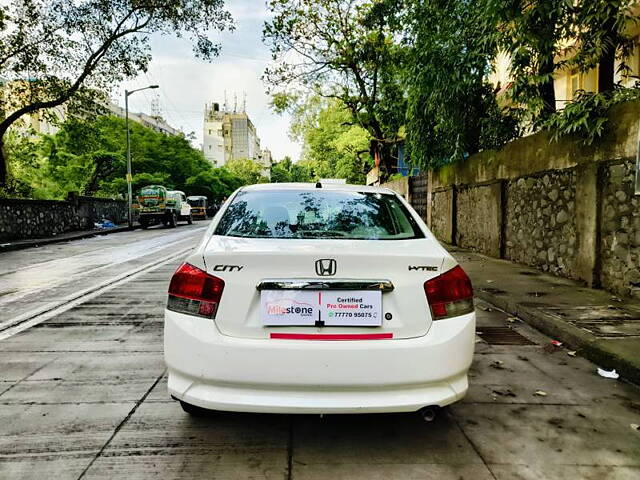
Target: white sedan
(311, 298)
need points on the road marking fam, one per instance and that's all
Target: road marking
(29, 319)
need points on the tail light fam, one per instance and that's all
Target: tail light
(449, 294)
(194, 291)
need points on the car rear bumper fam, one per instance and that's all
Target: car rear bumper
(218, 372)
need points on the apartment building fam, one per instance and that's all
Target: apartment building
(230, 135)
(568, 81)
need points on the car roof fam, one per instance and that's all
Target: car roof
(312, 186)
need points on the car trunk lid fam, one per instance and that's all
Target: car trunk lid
(252, 268)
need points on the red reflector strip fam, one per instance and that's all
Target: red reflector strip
(331, 336)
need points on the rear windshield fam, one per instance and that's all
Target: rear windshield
(317, 214)
(199, 202)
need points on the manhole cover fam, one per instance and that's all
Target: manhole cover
(502, 336)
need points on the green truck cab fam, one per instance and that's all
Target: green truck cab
(156, 205)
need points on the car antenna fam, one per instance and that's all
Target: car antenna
(318, 184)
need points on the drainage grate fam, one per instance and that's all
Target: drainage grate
(502, 336)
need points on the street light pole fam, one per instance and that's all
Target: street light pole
(129, 176)
(129, 190)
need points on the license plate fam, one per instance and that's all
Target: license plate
(344, 308)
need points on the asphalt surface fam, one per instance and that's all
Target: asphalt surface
(83, 393)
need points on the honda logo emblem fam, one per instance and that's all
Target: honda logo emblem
(326, 267)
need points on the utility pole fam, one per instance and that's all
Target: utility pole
(129, 176)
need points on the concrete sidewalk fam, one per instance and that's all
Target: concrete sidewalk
(63, 237)
(600, 326)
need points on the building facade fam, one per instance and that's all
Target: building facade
(230, 135)
(48, 123)
(156, 123)
(266, 160)
(569, 81)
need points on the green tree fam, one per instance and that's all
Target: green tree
(89, 157)
(287, 171)
(280, 171)
(53, 51)
(602, 36)
(345, 50)
(530, 31)
(452, 110)
(333, 147)
(248, 171)
(215, 183)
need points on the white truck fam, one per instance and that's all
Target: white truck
(156, 204)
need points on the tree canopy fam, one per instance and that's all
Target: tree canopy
(452, 109)
(88, 157)
(422, 67)
(333, 146)
(287, 171)
(343, 50)
(54, 51)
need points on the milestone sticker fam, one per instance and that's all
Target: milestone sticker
(289, 307)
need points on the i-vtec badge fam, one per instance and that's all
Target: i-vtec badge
(423, 268)
(227, 268)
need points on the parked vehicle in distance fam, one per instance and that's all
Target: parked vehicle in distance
(178, 199)
(156, 205)
(198, 206)
(311, 298)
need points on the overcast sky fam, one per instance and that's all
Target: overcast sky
(186, 83)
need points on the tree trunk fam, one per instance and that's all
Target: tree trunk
(3, 165)
(384, 150)
(606, 71)
(606, 65)
(546, 90)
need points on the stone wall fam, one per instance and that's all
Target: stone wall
(418, 195)
(620, 230)
(564, 207)
(442, 214)
(23, 219)
(479, 218)
(540, 226)
(93, 209)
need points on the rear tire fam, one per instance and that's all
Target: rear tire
(189, 220)
(194, 410)
(171, 220)
(144, 223)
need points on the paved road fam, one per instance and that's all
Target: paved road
(83, 395)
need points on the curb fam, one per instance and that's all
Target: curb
(37, 242)
(602, 352)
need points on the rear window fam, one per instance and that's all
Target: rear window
(317, 214)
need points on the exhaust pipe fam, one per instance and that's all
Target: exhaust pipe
(429, 413)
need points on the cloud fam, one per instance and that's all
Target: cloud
(187, 83)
